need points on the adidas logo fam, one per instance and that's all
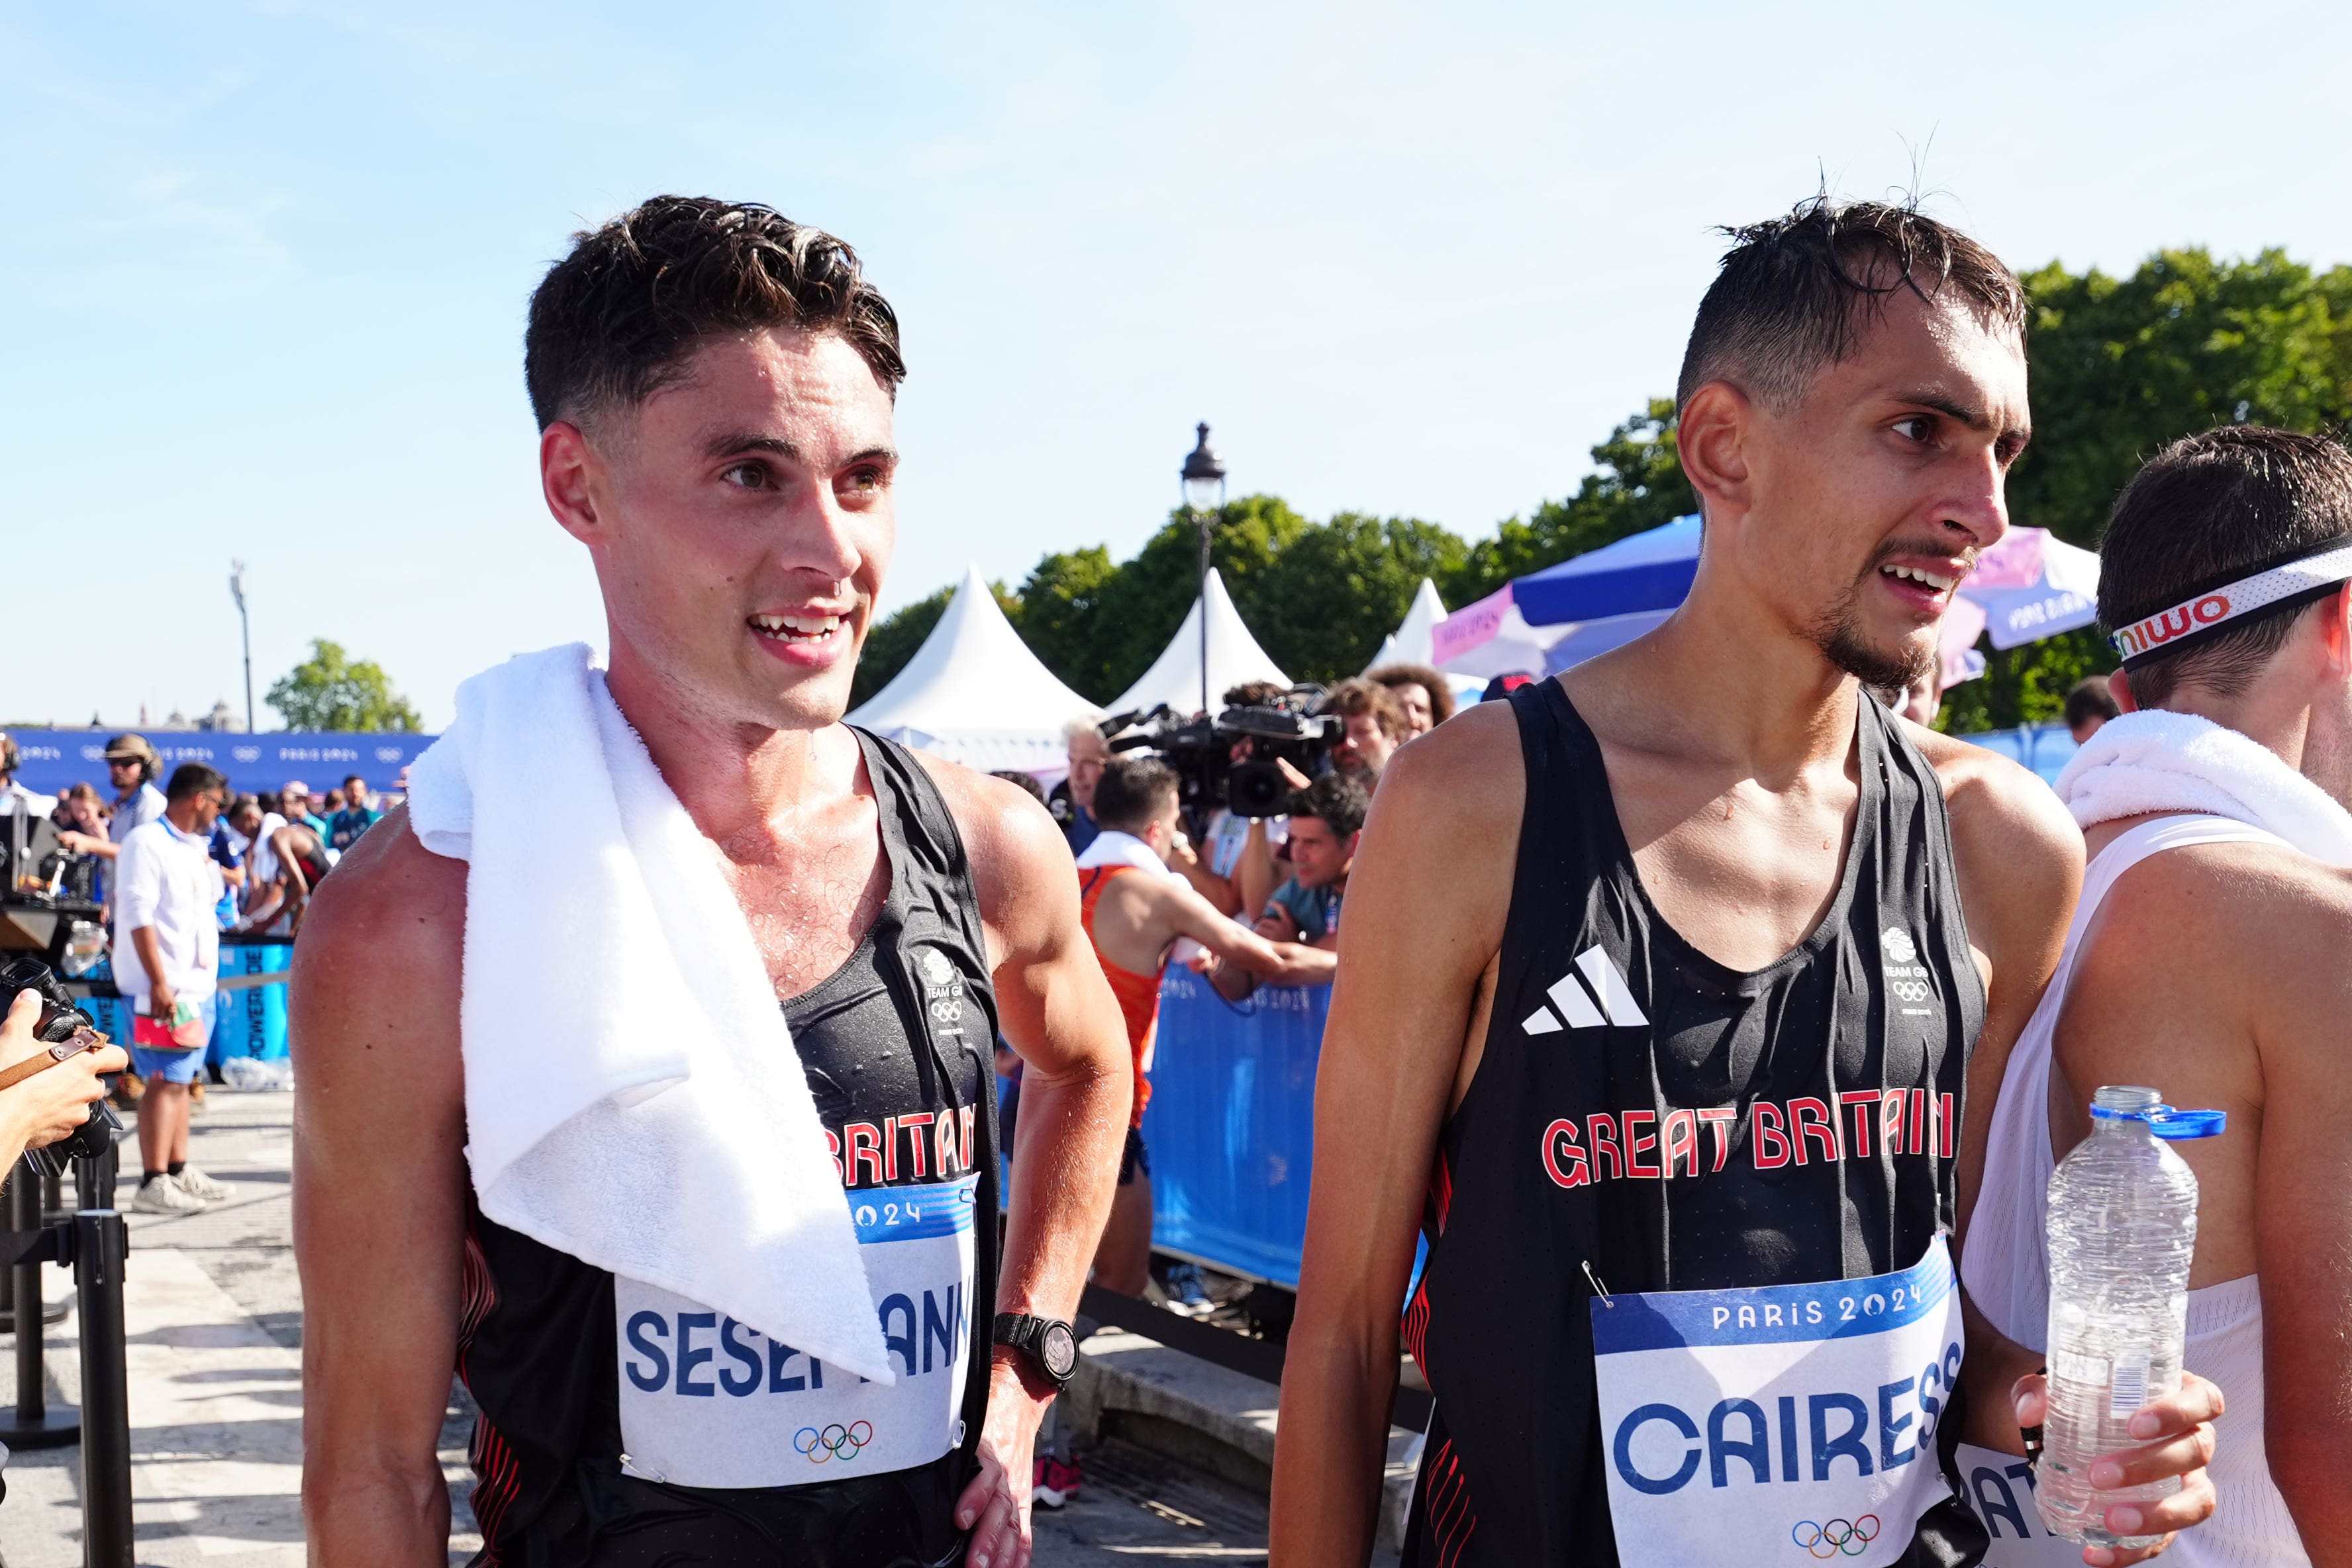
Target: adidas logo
(1609, 1001)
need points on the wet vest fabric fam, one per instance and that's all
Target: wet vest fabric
(1645, 1119)
(897, 1047)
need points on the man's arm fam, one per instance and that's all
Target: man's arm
(2302, 1237)
(1445, 821)
(1077, 1085)
(2019, 859)
(378, 1108)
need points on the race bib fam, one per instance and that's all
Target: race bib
(1999, 1489)
(707, 1402)
(1786, 1424)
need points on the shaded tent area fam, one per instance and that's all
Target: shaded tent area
(1174, 678)
(975, 694)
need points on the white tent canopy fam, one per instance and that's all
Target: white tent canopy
(1174, 678)
(974, 693)
(1410, 643)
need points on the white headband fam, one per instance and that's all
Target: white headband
(2208, 612)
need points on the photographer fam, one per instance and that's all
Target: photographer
(55, 1101)
(1375, 727)
(1234, 868)
(1324, 828)
(1420, 691)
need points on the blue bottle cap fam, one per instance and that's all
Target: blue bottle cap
(2176, 1125)
(2168, 1123)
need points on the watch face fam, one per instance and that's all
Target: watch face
(1059, 1350)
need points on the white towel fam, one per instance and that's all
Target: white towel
(1113, 847)
(632, 1094)
(2154, 761)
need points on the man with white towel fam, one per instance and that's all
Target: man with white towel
(2208, 960)
(585, 1081)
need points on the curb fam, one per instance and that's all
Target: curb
(1207, 1416)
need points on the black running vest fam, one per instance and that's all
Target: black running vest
(1792, 1125)
(538, 1346)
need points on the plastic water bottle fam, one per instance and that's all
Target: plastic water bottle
(2123, 1227)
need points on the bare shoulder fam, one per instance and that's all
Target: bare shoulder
(1466, 774)
(1992, 799)
(2015, 845)
(392, 915)
(2280, 911)
(1020, 861)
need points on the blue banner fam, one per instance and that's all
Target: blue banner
(1231, 1126)
(56, 759)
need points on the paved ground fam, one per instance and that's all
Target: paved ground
(215, 1318)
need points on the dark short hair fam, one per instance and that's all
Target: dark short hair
(2199, 515)
(1133, 791)
(1338, 799)
(1351, 698)
(1799, 293)
(1441, 695)
(189, 779)
(243, 801)
(2089, 698)
(355, 778)
(615, 321)
(1027, 783)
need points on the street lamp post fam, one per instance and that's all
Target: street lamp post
(244, 627)
(1204, 497)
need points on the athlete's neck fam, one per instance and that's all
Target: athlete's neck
(2281, 718)
(1722, 684)
(732, 777)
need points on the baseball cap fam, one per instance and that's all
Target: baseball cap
(129, 748)
(296, 786)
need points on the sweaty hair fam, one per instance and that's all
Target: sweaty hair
(1351, 698)
(2203, 513)
(189, 779)
(1798, 294)
(1441, 695)
(1338, 800)
(2089, 698)
(615, 321)
(1134, 790)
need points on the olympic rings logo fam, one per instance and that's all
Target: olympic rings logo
(835, 1442)
(1908, 990)
(1839, 1535)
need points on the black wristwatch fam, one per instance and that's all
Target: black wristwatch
(1051, 1346)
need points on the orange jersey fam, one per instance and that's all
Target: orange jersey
(1139, 994)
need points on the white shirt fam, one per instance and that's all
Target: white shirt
(261, 859)
(1228, 833)
(16, 797)
(167, 879)
(129, 815)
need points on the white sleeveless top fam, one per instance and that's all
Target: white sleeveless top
(2005, 1264)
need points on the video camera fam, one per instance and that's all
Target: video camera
(61, 1023)
(1201, 751)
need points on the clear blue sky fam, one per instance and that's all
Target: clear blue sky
(267, 263)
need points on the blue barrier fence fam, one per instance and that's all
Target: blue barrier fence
(54, 760)
(1231, 1123)
(2044, 748)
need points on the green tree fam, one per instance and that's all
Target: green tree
(1323, 605)
(2122, 366)
(2119, 368)
(330, 691)
(1061, 617)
